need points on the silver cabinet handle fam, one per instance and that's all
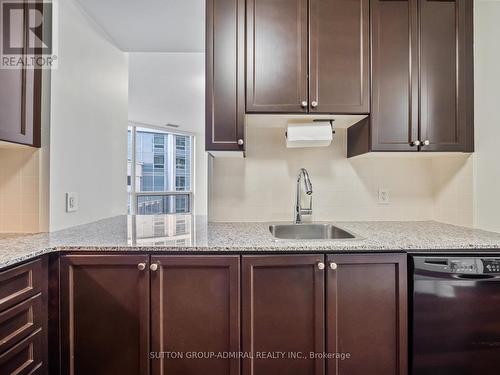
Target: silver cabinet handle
(314, 104)
(416, 143)
(304, 104)
(153, 267)
(321, 265)
(141, 266)
(241, 142)
(427, 142)
(333, 266)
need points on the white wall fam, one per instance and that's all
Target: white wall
(487, 122)
(170, 88)
(88, 122)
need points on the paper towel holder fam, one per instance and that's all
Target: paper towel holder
(331, 121)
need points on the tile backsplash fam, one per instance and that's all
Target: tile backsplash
(19, 190)
(261, 187)
(454, 189)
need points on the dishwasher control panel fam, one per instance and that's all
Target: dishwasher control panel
(464, 266)
(461, 266)
(491, 265)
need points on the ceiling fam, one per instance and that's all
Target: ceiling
(151, 25)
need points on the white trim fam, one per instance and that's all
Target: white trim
(162, 128)
(133, 172)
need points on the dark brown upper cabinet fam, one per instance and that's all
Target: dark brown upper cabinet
(20, 99)
(394, 75)
(225, 75)
(195, 307)
(307, 56)
(446, 75)
(300, 56)
(277, 56)
(422, 78)
(339, 72)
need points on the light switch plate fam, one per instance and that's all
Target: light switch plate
(384, 196)
(71, 202)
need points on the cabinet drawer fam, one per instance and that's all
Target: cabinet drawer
(20, 283)
(24, 358)
(20, 321)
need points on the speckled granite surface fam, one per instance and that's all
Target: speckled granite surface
(185, 233)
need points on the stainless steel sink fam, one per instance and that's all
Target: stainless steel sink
(309, 232)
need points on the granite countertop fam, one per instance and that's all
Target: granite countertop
(186, 233)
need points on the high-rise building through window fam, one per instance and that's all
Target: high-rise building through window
(161, 163)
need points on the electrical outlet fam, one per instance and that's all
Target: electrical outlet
(384, 196)
(71, 202)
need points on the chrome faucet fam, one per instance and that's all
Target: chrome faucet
(299, 211)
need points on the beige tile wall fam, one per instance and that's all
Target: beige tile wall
(261, 187)
(19, 190)
(454, 189)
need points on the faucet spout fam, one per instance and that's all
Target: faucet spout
(299, 211)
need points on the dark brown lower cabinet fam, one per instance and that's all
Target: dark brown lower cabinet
(104, 314)
(180, 315)
(23, 319)
(109, 303)
(366, 314)
(362, 330)
(283, 312)
(26, 357)
(195, 315)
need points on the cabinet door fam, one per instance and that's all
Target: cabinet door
(104, 314)
(276, 56)
(367, 314)
(195, 308)
(339, 56)
(225, 75)
(20, 98)
(283, 311)
(446, 74)
(394, 112)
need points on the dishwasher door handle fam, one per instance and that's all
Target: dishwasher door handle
(480, 276)
(436, 275)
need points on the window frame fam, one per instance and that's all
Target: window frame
(133, 194)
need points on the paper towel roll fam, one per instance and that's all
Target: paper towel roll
(314, 134)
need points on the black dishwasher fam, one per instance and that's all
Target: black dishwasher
(456, 315)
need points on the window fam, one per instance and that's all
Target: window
(159, 171)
